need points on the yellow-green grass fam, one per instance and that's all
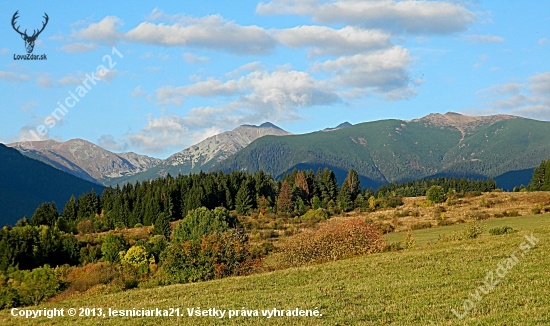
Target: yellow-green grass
(520, 223)
(412, 287)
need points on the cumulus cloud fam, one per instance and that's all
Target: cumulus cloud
(255, 97)
(138, 92)
(414, 17)
(384, 72)
(109, 142)
(78, 47)
(45, 81)
(71, 79)
(192, 59)
(530, 99)
(29, 106)
(11, 76)
(483, 39)
(105, 31)
(210, 32)
(324, 40)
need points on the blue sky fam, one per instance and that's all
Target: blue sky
(173, 73)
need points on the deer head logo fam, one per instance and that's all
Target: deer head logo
(29, 40)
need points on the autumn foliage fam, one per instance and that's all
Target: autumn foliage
(332, 241)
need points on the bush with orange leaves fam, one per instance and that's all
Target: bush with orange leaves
(332, 241)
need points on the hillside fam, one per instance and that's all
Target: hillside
(398, 150)
(202, 156)
(26, 183)
(414, 287)
(88, 161)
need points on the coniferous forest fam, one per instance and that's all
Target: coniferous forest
(208, 207)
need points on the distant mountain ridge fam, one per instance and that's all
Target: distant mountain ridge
(209, 152)
(88, 161)
(394, 150)
(340, 126)
(26, 183)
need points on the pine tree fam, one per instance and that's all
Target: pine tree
(284, 201)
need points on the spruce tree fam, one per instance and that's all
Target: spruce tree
(284, 201)
(162, 226)
(242, 200)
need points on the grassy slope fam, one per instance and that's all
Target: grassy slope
(394, 150)
(415, 287)
(381, 150)
(520, 223)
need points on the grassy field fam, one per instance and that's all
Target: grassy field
(520, 223)
(412, 287)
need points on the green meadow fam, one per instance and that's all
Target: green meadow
(419, 286)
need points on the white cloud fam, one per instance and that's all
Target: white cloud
(4, 51)
(192, 59)
(138, 92)
(260, 96)
(384, 72)
(11, 76)
(105, 31)
(147, 55)
(78, 47)
(45, 81)
(543, 41)
(483, 39)
(210, 32)
(29, 106)
(209, 88)
(107, 75)
(108, 142)
(530, 99)
(325, 40)
(71, 79)
(415, 17)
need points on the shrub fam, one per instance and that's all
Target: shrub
(112, 246)
(85, 227)
(332, 241)
(444, 222)
(436, 194)
(201, 222)
(421, 225)
(426, 203)
(501, 230)
(34, 286)
(409, 241)
(215, 256)
(84, 278)
(385, 228)
(315, 215)
(136, 256)
(389, 202)
(471, 231)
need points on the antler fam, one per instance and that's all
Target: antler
(13, 24)
(35, 34)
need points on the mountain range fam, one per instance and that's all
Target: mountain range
(93, 163)
(503, 147)
(26, 183)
